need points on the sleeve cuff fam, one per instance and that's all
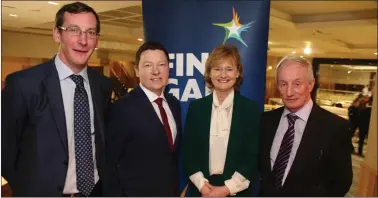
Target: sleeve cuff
(237, 183)
(198, 180)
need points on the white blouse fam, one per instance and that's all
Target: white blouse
(221, 116)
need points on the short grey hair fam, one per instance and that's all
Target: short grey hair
(303, 62)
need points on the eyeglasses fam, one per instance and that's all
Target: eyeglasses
(76, 31)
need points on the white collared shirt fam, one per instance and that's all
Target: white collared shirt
(68, 86)
(299, 127)
(171, 120)
(220, 128)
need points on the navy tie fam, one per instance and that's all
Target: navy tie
(285, 149)
(83, 142)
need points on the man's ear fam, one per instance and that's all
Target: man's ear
(56, 35)
(136, 69)
(312, 83)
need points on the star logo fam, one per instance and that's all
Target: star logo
(234, 28)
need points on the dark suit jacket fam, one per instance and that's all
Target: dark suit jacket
(243, 143)
(34, 136)
(322, 165)
(140, 162)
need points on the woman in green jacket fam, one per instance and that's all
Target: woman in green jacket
(220, 145)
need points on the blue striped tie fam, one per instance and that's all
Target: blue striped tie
(285, 149)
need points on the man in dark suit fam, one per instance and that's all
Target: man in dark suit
(53, 115)
(305, 150)
(143, 133)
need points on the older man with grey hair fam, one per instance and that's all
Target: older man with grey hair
(305, 150)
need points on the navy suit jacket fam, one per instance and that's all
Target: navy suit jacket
(140, 162)
(34, 144)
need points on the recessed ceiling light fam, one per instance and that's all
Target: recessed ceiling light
(307, 50)
(349, 72)
(270, 68)
(13, 15)
(301, 56)
(331, 65)
(53, 3)
(96, 48)
(270, 42)
(140, 39)
(375, 53)
(293, 52)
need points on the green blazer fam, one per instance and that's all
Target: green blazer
(243, 143)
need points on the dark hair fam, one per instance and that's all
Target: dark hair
(150, 45)
(217, 56)
(75, 8)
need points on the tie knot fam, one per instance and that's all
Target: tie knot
(78, 80)
(159, 101)
(291, 118)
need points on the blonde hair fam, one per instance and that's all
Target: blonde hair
(218, 56)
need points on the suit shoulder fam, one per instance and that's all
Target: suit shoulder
(102, 78)
(199, 101)
(31, 72)
(173, 98)
(246, 102)
(273, 113)
(331, 117)
(29, 76)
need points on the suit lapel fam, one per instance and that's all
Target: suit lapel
(150, 113)
(234, 137)
(271, 122)
(97, 103)
(53, 92)
(308, 142)
(271, 130)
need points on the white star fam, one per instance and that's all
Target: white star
(233, 29)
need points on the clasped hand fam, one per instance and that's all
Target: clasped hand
(209, 190)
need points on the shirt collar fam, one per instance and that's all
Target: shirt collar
(302, 113)
(64, 71)
(227, 102)
(151, 95)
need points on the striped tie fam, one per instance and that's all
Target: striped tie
(285, 149)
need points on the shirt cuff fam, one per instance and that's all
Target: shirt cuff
(198, 180)
(237, 183)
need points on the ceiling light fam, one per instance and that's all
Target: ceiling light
(307, 50)
(53, 3)
(96, 48)
(140, 39)
(13, 15)
(270, 68)
(375, 53)
(293, 52)
(349, 72)
(301, 56)
(331, 65)
(270, 42)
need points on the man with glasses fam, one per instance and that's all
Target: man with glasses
(53, 115)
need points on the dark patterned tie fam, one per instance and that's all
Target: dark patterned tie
(164, 117)
(285, 149)
(83, 143)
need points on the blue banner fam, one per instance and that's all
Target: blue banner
(191, 29)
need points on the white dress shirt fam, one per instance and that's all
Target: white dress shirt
(299, 127)
(221, 117)
(68, 86)
(171, 120)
